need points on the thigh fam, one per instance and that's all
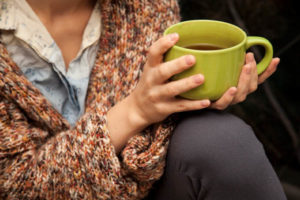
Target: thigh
(215, 155)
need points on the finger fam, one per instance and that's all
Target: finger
(249, 58)
(254, 77)
(269, 71)
(168, 69)
(175, 88)
(225, 100)
(161, 46)
(182, 105)
(243, 85)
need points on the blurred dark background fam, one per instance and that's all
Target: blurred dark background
(273, 110)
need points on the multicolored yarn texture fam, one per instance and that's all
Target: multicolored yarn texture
(41, 157)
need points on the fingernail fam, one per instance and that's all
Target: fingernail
(190, 60)
(205, 103)
(173, 36)
(233, 91)
(198, 78)
(252, 57)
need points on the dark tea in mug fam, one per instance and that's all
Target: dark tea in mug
(203, 46)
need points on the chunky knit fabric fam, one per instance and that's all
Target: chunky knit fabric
(41, 157)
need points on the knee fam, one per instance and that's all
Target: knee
(215, 142)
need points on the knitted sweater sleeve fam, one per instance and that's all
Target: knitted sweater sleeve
(79, 163)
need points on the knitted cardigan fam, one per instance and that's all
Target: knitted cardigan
(41, 157)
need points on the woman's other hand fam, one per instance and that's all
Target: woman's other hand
(248, 82)
(154, 98)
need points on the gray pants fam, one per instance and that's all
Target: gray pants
(215, 155)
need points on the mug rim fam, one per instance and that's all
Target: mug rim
(208, 51)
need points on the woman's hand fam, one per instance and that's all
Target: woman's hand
(248, 82)
(154, 98)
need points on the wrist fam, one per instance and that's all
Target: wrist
(123, 123)
(124, 118)
(135, 117)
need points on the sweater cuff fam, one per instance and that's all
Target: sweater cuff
(144, 155)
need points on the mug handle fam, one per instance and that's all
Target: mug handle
(264, 63)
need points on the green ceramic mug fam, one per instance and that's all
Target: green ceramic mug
(221, 66)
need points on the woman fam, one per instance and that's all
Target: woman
(80, 121)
